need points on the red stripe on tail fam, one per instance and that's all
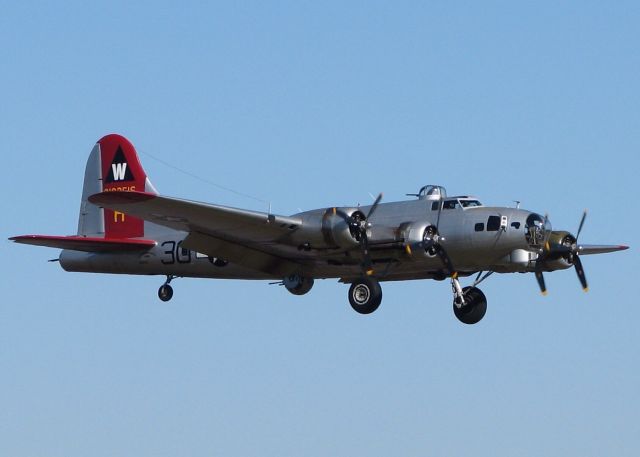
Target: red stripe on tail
(121, 171)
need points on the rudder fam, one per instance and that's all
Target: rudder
(113, 165)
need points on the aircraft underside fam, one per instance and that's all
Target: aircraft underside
(365, 292)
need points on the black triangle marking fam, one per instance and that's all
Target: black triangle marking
(119, 170)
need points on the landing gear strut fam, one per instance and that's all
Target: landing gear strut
(365, 295)
(165, 292)
(469, 303)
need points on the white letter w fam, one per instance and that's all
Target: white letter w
(119, 170)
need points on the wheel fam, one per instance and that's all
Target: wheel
(165, 292)
(365, 295)
(475, 306)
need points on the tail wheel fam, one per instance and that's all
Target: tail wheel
(475, 306)
(365, 295)
(165, 292)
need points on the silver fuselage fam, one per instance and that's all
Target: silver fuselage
(395, 234)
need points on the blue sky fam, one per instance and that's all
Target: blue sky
(308, 104)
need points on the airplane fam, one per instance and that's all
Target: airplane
(126, 227)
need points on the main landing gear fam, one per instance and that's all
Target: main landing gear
(365, 295)
(469, 303)
(165, 292)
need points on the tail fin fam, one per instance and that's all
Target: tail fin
(113, 165)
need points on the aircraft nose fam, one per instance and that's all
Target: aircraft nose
(537, 229)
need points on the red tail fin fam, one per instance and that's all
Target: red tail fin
(121, 170)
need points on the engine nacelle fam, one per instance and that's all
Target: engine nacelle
(332, 228)
(337, 230)
(414, 237)
(561, 261)
(561, 238)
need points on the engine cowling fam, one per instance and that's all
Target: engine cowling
(416, 236)
(560, 256)
(339, 227)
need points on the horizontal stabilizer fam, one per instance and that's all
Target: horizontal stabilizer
(87, 244)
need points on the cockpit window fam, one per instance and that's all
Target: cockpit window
(454, 204)
(450, 204)
(470, 203)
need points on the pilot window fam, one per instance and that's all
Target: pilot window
(470, 203)
(434, 206)
(450, 204)
(493, 224)
(479, 226)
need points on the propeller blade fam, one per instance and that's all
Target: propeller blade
(439, 211)
(374, 206)
(577, 263)
(358, 228)
(540, 279)
(367, 264)
(584, 216)
(446, 260)
(547, 233)
(440, 250)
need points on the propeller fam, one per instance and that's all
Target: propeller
(541, 258)
(358, 226)
(577, 263)
(432, 243)
(540, 279)
(569, 251)
(364, 225)
(584, 216)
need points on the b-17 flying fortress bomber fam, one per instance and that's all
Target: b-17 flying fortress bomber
(126, 227)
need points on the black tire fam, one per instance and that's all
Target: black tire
(365, 295)
(475, 306)
(165, 292)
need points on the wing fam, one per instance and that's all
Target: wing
(253, 239)
(585, 249)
